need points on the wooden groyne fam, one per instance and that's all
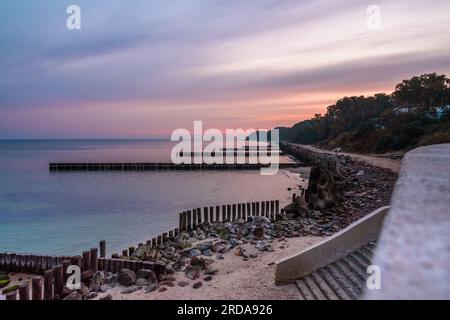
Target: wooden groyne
(51, 271)
(192, 219)
(61, 167)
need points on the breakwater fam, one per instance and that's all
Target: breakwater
(61, 167)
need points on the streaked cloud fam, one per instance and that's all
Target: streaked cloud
(144, 68)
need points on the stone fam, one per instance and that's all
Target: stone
(298, 208)
(197, 285)
(86, 277)
(194, 252)
(192, 272)
(74, 295)
(183, 284)
(141, 282)
(91, 295)
(144, 273)
(103, 288)
(126, 277)
(131, 289)
(84, 290)
(99, 278)
(207, 278)
(207, 252)
(253, 255)
(162, 289)
(258, 232)
(167, 283)
(220, 257)
(106, 297)
(211, 272)
(151, 287)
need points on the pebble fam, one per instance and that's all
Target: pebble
(197, 285)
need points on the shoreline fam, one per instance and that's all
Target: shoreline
(366, 188)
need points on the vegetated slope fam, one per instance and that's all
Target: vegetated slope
(416, 113)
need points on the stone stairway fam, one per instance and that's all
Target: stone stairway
(344, 279)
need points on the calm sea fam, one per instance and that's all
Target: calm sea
(65, 213)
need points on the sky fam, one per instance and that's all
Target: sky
(141, 69)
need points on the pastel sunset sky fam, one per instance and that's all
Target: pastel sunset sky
(140, 69)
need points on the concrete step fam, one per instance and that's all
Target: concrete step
(344, 279)
(352, 278)
(304, 290)
(364, 256)
(324, 286)
(314, 288)
(358, 260)
(340, 292)
(355, 268)
(343, 282)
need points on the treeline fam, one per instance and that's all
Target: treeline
(416, 113)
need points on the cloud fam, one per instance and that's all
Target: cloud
(219, 59)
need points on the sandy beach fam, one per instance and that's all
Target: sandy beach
(236, 278)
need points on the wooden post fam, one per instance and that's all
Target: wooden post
(277, 207)
(233, 217)
(205, 215)
(194, 219)
(211, 214)
(199, 216)
(94, 262)
(13, 262)
(171, 232)
(130, 251)
(224, 213)
(248, 211)
(267, 213)
(115, 256)
(24, 291)
(59, 279)
(102, 249)
(36, 285)
(154, 242)
(159, 239)
(164, 237)
(217, 213)
(86, 260)
(293, 197)
(244, 217)
(263, 208)
(36, 264)
(107, 265)
(189, 225)
(180, 221)
(257, 209)
(229, 210)
(272, 209)
(239, 212)
(48, 284)
(11, 296)
(253, 213)
(125, 252)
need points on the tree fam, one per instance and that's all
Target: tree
(423, 94)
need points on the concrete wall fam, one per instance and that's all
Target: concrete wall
(413, 251)
(333, 248)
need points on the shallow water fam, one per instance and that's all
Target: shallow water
(65, 213)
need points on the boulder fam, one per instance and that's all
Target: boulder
(74, 295)
(126, 277)
(298, 208)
